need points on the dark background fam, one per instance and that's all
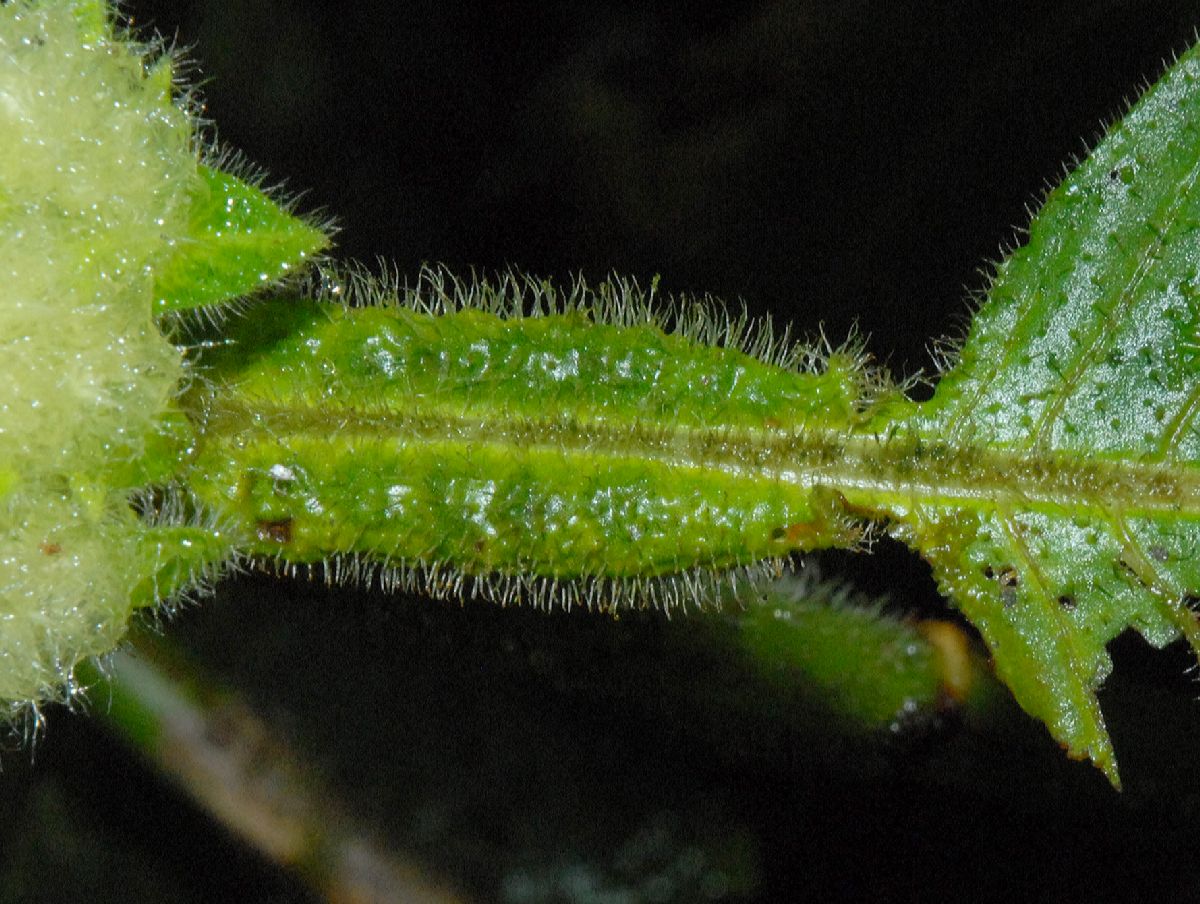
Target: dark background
(851, 165)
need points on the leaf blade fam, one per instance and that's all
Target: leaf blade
(1086, 350)
(238, 240)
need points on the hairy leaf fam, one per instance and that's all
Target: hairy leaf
(1053, 481)
(237, 241)
(105, 220)
(1081, 380)
(517, 434)
(505, 436)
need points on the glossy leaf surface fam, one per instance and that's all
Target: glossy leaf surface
(1083, 361)
(1052, 482)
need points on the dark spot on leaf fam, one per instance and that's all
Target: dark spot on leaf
(1130, 570)
(275, 531)
(988, 572)
(802, 533)
(49, 549)
(1067, 601)
(1007, 576)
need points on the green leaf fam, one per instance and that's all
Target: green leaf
(574, 444)
(95, 164)
(237, 241)
(1075, 404)
(456, 435)
(93, 18)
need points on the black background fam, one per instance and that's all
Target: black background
(842, 165)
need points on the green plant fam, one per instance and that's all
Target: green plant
(581, 445)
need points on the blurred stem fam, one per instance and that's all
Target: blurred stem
(875, 672)
(230, 762)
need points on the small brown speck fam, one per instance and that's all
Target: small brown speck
(49, 549)
(275, 531)
(802, 532)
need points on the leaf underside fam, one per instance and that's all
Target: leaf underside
(1083, 361)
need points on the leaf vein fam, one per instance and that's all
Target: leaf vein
(1104, 333)
(1168, 596)
(1180, 423)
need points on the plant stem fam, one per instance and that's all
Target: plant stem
(227, 759)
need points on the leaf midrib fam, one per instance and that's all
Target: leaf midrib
(877, 475)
